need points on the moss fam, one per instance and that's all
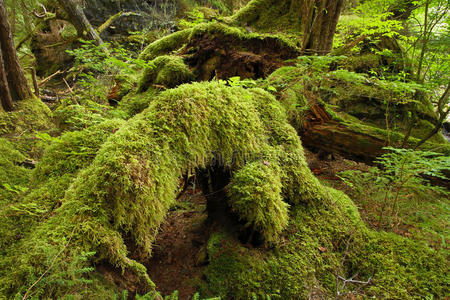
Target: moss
(239, 33)
(29, 115)
(71, 117)
(49, 180)
(323, 240)
(13, 177)
(255, 195)
(396, 138)
(134, 178)
(363, 63)
(177, 40)
(168, 71)
(349, 97)
(135, 103)
(165, 45)
(423, 128)
(271, 15)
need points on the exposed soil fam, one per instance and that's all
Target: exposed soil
(217, 55)
(179, 253)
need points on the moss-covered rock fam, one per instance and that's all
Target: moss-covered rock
(167, 71)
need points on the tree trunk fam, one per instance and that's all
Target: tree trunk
(316, 19)
(79, 21)
(319, 25)
(5, 95)
(16, 81)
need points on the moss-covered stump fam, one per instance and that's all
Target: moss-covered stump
(128, 188)
(217, 50)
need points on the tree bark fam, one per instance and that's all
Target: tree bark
(319, 25)
(5, 95)
(16, 81)
(316, 19)
(79, 21)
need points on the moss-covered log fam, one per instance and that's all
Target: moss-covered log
(127, 190)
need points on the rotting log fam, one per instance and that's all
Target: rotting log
(332, 136)
(319, 131)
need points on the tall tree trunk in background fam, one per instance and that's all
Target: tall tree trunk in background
(402, 10)
(316, 20)
(15, 79)
(5, 95)
(79, 20)
(319, 21)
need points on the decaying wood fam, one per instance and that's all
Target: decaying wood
(319, 131)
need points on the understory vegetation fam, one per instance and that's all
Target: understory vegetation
(213, 146)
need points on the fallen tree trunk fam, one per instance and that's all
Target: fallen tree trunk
(319, 131)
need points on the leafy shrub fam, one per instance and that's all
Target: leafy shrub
(397, 191)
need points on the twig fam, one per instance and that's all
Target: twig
(68, 86)
(44, 81)
(48, 269)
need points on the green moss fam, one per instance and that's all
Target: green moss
(13, 177)
(177, 40)
(272, 15)
(134, 178)
(323, 240)
(166, 45)
(255, 195)
(29, 115)
(135, 103)
(70, 117)
(168, 71)
(423, 128)
(49, 180)
(349, 97)
(240, 33)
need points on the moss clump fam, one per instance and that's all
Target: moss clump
(168, 71)
(255, 195)
(29, 115)
(49, 180)
(166, 45)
